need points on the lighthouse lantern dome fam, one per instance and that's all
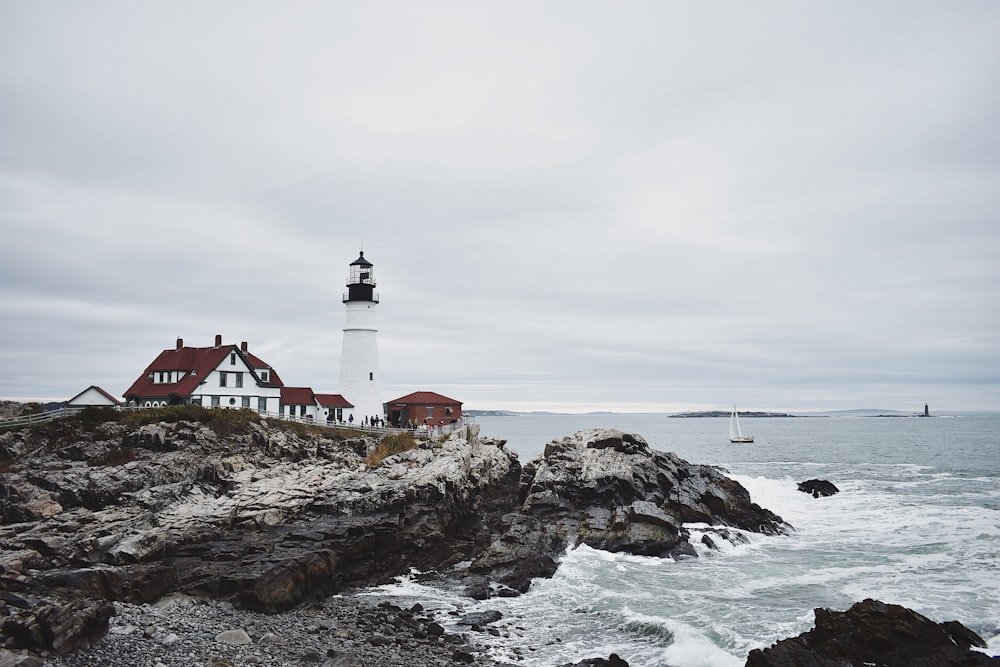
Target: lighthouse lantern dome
(361, 281)
(362, 272)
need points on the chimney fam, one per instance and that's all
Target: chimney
(243, 347)
(180, 342)
(218, 340)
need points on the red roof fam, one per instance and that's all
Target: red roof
(333, 401)
(297, 396)
(425, 398)
(196, 363)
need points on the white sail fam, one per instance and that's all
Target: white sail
(735, 432)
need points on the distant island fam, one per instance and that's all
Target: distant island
(725, 413)
(858, 412)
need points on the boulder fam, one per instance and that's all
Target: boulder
(612, 660)
(609, 490)
(50, 626)
(876, 633)
(818, 487)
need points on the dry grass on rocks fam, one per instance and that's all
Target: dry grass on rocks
(391, 444)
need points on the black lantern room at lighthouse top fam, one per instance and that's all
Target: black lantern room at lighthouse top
(361, 281)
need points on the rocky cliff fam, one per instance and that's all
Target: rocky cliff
(607, 489)
(270, 514)
(259, 514)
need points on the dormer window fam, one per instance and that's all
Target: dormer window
(265, 376)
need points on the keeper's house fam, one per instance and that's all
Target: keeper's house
(227, 376)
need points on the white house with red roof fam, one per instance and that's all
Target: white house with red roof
(216, 376)
(227, 376)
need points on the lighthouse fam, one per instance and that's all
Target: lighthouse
(360, 382)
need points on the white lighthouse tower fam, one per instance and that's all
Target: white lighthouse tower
(360, 382)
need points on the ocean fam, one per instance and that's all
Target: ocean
(916, 523)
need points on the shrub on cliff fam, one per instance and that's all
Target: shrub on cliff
(390, 444)
(223, 422)
(31, 408)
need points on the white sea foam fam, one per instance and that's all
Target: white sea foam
(992, 644)
(692, 648)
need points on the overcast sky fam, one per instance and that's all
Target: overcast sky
(573, 206)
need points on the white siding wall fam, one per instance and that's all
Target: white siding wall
(231, 396)
(91, 397)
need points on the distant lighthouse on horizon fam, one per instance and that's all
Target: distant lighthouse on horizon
(360, 382)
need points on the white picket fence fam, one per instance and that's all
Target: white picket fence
(39, 417)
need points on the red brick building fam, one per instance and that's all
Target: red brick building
(423, 407)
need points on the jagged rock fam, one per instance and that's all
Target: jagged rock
(47, 626)
(303, 524)
(611, 661)
(876, 633)
(607, 489)
(818, 487)
(17, 659)
(480, 618)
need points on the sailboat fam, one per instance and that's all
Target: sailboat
(735, 432)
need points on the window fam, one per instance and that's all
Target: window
(196, 400)
(264, 376)
(232, 401)
(261, 404)
(246, 401)
(239, 379)
(222, 378)
(447, 412)
(371, 376)
(302, 411)
(232, 358)
(215, 401)
(281, 410)
(430, 413)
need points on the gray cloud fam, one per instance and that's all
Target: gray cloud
(569, 207)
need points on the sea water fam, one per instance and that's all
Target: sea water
(916, 523)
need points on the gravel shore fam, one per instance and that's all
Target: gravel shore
(342, 631)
